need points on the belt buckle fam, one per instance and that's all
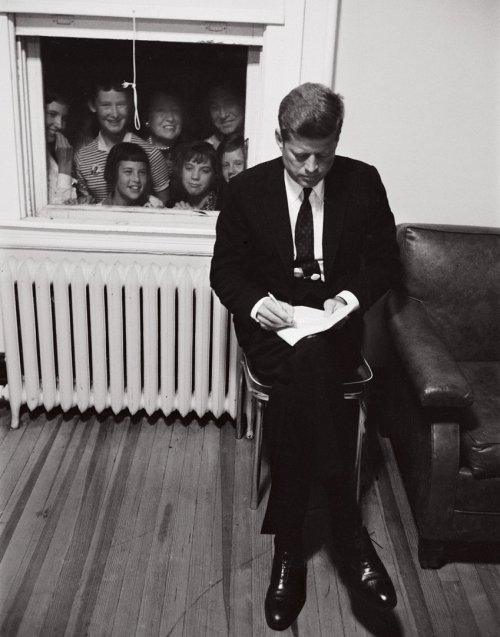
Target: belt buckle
(298, 273)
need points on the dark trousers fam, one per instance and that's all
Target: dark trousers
(305, 418)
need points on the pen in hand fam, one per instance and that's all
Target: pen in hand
(275, 300)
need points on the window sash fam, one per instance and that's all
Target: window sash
(33, 147)
(239, 11)
(32, 123)
(120, 28)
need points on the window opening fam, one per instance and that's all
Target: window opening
(71, 68)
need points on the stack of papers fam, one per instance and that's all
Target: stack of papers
(309, 320)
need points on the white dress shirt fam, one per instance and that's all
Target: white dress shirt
(294, 197)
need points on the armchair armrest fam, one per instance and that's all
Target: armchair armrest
(432, 370)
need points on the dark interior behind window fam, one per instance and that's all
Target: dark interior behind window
(71, 65)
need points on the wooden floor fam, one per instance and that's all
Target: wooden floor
(121, 527)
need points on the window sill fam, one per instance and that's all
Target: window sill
(86, 228)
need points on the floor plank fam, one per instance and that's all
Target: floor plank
(172, 623)
(134, 578)
(45, 484)
(204, 575)
(58, 534)
(240, 583)
(486, 619)
(152, 603)
(113, 586)
(113, 527)
(71, 608)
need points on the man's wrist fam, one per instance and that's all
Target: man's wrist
(348, 298)
(256, 307)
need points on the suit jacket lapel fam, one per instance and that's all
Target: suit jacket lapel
(335, 209)
(278, 216)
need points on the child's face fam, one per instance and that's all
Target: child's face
(165, 118)
(131, 182)
(55, 119)
(112, 109)
(197, 177)
(226, 111)
(232, 163)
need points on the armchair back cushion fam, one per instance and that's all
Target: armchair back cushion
(455, 273)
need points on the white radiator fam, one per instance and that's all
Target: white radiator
(126, 336)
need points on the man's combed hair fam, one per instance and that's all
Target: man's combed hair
(311, 110)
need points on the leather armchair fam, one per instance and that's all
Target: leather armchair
(444, 397)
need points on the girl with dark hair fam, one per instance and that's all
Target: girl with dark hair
(59, 151)
(195, 177)
(128, 176)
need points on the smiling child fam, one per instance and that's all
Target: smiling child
(128, 177)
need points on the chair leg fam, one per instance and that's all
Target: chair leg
(257, 457)
(239, 415)
(359, 449)
(251, 417)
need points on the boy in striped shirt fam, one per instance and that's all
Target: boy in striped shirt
(112, 105)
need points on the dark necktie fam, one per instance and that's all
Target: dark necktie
(304, 231)
(304, 237)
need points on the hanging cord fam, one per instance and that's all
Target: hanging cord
(137, 121)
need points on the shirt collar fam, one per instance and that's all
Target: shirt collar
(294, 190)
(101, 144)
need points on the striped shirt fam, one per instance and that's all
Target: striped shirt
(90, 161)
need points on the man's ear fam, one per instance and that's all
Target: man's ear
(91, 106)
(279, 139)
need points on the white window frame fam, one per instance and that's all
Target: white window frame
(242, 11)
(28, 28)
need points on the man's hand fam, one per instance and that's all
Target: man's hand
(275, 315)
(331, 306)
(64, 154)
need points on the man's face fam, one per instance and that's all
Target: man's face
(307, 161)
(226, 111)
(112, 109)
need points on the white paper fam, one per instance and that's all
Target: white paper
(309, 320)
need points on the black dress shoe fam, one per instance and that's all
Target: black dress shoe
(366, 576)
(287, 590)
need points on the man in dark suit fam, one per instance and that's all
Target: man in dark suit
(308, 228)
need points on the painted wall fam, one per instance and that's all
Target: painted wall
(421, 82)
(422, 88)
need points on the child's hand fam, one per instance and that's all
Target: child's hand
(153, 202)
(183, 205)
(64, 154)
